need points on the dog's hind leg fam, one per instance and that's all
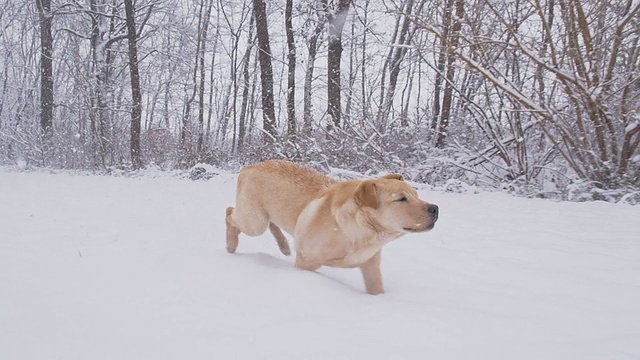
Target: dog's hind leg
(232, 232)
(283, 244)
(238, 221)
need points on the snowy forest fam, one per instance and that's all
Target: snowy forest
(540, 97)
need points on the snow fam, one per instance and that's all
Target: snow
(98, 267)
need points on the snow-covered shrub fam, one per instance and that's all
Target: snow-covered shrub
(202, 172)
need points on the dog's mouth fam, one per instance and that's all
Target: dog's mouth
(419, 228)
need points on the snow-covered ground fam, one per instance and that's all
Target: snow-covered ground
(95, 267)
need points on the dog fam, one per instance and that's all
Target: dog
(337, 224)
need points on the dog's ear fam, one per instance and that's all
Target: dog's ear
(366, 194)
(393, 177)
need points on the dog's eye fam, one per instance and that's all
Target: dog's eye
(402, 199)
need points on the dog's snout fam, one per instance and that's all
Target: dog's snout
(433, 210)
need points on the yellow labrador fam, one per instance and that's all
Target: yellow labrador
(339, 224)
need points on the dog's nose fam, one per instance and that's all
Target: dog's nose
(433, 210)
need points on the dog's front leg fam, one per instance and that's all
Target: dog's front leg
(372, 275)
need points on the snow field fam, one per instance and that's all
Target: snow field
(95, 267)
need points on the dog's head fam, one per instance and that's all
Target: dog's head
(395, 205)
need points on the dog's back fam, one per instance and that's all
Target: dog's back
(292, 185)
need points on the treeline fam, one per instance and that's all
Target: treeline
(526, 91)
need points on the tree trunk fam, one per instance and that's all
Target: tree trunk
(352, 72)
(46, 69)
(3, 96)
(205, 28)
(291, 70)
(334, 56)
(186, 131)
(404, 38)
(212, 76)
(100, 48)
(311, 59)
(447, 99)
(242, 125)
(387, 60)
(266, 71)
(136, 95)
(441, 63)
(366, 103)
(406, 95)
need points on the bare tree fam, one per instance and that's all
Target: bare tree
(106, 31)
(291, 69)
(187, 127)
(447, 99)
(46, 67)
(201, 91)
(588, 119)
(394, 61)
(266, 71)
(443, 38)
(136, 93)
(236, 24)
(336, 21)
(246, 84)
(312, 48)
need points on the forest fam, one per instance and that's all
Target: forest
(538, 97)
